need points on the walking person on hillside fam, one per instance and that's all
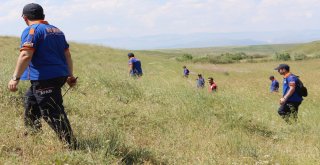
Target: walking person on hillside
(45, 60)
(135, 69)
(185, 72)
(274, 87)
(290, 101)
(212, 85)
(200, 81)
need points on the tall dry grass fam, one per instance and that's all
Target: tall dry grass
(162, 118)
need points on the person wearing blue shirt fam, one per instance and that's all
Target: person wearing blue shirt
(135, 69)
(291, 100)
(200, 81)
(185, 72)
(274, 87)
(46, 61)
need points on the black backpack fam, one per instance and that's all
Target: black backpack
(301, 89)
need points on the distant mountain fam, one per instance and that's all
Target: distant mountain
(197, 40)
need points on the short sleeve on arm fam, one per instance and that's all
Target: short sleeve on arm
(130, 61)
(29, 39)
(292, 81)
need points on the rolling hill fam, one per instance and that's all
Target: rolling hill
(163, 118)
(306, 48)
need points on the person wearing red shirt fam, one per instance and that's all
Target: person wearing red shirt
(212, 85)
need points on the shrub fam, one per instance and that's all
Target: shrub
(185, 57)
(299, 56)
(224, 58)
(235, 57)
(258, 56)
(202, 59)
(282, 56)
(220, 60)
(317, 55)
(227, 58)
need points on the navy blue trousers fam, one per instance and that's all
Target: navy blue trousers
(289, 109)
(44, 100)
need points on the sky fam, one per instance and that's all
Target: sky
(85, 21)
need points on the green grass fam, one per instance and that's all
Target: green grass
(250, 50)
(162, 118)
(252, 54)
(311, 49)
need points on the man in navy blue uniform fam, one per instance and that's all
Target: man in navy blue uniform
(186, 72)
(135, 69)
(45, 60)
(200, 81)
(290, 101)
(274, 87)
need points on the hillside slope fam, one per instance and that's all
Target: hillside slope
(312, 48)
(162, 118)
(306, 48)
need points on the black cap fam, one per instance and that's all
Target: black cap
(283, 66)
(130, 55)
(33, 11)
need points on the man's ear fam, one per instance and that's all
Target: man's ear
(26, 20)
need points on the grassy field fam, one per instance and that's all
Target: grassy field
(162, 118)
(250, 50)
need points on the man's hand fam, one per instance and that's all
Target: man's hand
(283, 101)
(13, 85)
(72, 81)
